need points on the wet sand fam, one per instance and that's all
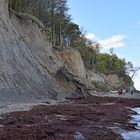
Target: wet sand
(94, 117)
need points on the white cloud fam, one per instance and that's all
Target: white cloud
(90, 36)
(116, 41)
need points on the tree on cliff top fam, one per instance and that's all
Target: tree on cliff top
(53, 14)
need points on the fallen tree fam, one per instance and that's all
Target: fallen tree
(82, 88)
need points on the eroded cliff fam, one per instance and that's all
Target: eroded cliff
(30, 70)
(27, 64)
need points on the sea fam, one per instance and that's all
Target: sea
(135, 134)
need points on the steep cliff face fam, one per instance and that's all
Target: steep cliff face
(27, 64)
(30, 70)
(108, 82)
(71, 58)
(73, 61)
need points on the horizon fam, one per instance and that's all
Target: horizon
(114, 24)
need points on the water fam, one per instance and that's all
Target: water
(133, 135)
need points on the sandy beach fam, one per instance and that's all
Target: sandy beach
(95, 118)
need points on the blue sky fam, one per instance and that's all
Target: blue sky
(114, 23)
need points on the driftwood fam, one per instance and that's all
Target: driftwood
(82, 87)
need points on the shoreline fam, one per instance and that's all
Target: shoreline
(94, 117)
(124, 95)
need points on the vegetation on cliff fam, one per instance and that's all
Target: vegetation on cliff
(62, 32)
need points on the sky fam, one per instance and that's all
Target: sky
(113, 23)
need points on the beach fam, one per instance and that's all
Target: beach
(95, 118)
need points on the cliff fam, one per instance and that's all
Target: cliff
(26, 60)
(108, 82)
(30, 70)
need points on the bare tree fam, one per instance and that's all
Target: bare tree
(134, 70)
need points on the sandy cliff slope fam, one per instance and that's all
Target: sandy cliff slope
(27, 64)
